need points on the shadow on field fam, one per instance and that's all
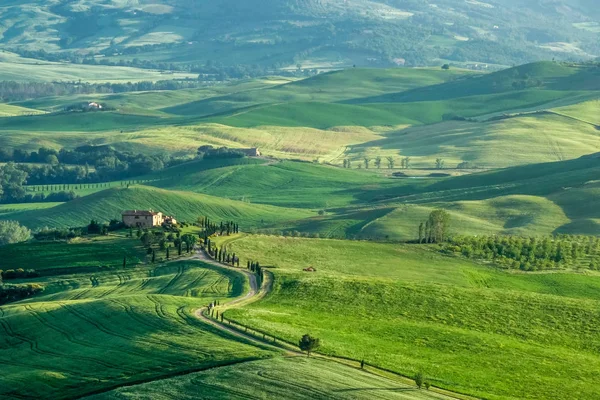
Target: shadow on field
(378, 389)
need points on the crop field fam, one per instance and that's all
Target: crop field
(289, 378)
(80, 252)
(87, 334)
(16, 68)
(409, 309)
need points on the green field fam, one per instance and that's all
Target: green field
(531, 137)
(16, 68)
(289, 378)
(538, 199)
(469, 327)
(546, 108)
(185, 206)
(80, 252)
(96, 332)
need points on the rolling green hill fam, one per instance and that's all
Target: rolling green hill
(184, 206)
(489, 120)
(290, 378)
(470, 327)
(94, 332)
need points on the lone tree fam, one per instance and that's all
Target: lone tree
(367, 162)
(378, 162)
(446, 67)
(439, 163)
(309, 344)
(419, 380)
(421, 232)
(391, 162)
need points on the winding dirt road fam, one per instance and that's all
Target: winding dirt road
(255, 294)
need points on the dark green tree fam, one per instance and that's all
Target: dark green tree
(309, 344)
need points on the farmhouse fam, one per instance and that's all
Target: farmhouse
(145, 219)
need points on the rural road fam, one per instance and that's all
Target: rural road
(254, 294)
(251, 296)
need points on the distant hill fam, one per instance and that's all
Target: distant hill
(184, 206)
(312, 33)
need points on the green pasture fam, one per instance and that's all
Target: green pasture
(16, 68)
(185, 206)
(90, 333)
(290, 378)
(469, 327)
(80, 252)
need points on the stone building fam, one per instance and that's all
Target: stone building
(143, 218)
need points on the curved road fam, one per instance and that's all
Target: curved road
(250, 297)
(254, 294)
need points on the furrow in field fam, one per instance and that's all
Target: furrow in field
(72, 340)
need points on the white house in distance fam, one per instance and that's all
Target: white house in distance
(145, 219)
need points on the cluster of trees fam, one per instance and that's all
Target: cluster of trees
(254, 266)
(9, 293)
(530, 254)
(58, 234)
(436, 228)
(377, 162)
(18, 91)
(209, 152)
(107, 163)
(18, 273)
(223, 228)
(66, 167)
(12, 232)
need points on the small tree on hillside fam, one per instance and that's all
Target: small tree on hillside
(419, 379)
(309, 344)
(421, 232)
(378, 162)
(439, 163)
(391, 162)
(406, 162)
(446, 67)
(367, 162)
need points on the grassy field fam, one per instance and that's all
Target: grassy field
(289, 378)
(538, 199)
(94, 332)
(395, 112)
(16, 68)
(81, 252)
(501, 143)
(409, 309)
(185, 206)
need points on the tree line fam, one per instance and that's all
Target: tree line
(19, 91)
(86, 164)
(405, 163)
(10, 293)
(530, 253)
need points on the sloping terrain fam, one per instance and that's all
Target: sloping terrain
(322, 34)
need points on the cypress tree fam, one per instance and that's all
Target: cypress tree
(153, 256)
(124, 261)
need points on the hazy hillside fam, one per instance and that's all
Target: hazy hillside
(173, 34)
